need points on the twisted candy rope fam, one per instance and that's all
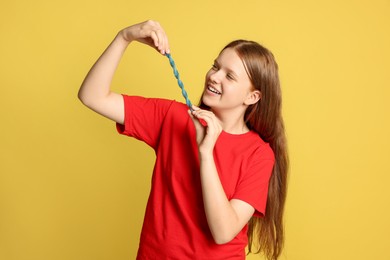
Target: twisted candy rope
(181, 85)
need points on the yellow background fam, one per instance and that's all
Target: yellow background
(73, 189)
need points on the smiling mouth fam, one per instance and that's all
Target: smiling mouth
(214, 90)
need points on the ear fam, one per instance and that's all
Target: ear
(253, 97)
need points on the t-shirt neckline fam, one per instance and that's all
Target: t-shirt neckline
(236, 135)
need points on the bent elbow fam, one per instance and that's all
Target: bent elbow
(222, 239)
(81, 97)
(85, 99)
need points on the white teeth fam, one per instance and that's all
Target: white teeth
(214, 90)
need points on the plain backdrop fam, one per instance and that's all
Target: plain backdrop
(71, 188)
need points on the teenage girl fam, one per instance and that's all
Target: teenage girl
(216, 187)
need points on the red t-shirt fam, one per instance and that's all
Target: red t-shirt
(175, 225)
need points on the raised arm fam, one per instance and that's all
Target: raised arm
(95, 90)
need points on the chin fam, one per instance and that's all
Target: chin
(206, 102)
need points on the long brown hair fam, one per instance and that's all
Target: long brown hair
(265, 118)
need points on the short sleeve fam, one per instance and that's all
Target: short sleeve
(253, 185)
(144, 118)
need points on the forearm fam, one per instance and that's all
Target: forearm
(222, 218)
(97, 83)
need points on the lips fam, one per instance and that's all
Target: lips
(214, 90)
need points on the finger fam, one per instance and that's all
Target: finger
(154, 37)
(196, 110)
(201, 112)
(163, 41)
(162, 47)
(197, 120)
(204, 117)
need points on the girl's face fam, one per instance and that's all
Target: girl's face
(227, 85)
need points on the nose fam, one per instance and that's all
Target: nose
(215, 76)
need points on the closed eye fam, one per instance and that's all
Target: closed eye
(230, 76)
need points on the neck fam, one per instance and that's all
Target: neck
(232, 121)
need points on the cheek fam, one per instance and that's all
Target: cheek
(208, 74)
(235, 93)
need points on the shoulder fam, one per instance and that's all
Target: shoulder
(247, 145)
(258, 154)
(260, 158)
(262, 149)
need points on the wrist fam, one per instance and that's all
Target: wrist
(124, 36)
(206, 155)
